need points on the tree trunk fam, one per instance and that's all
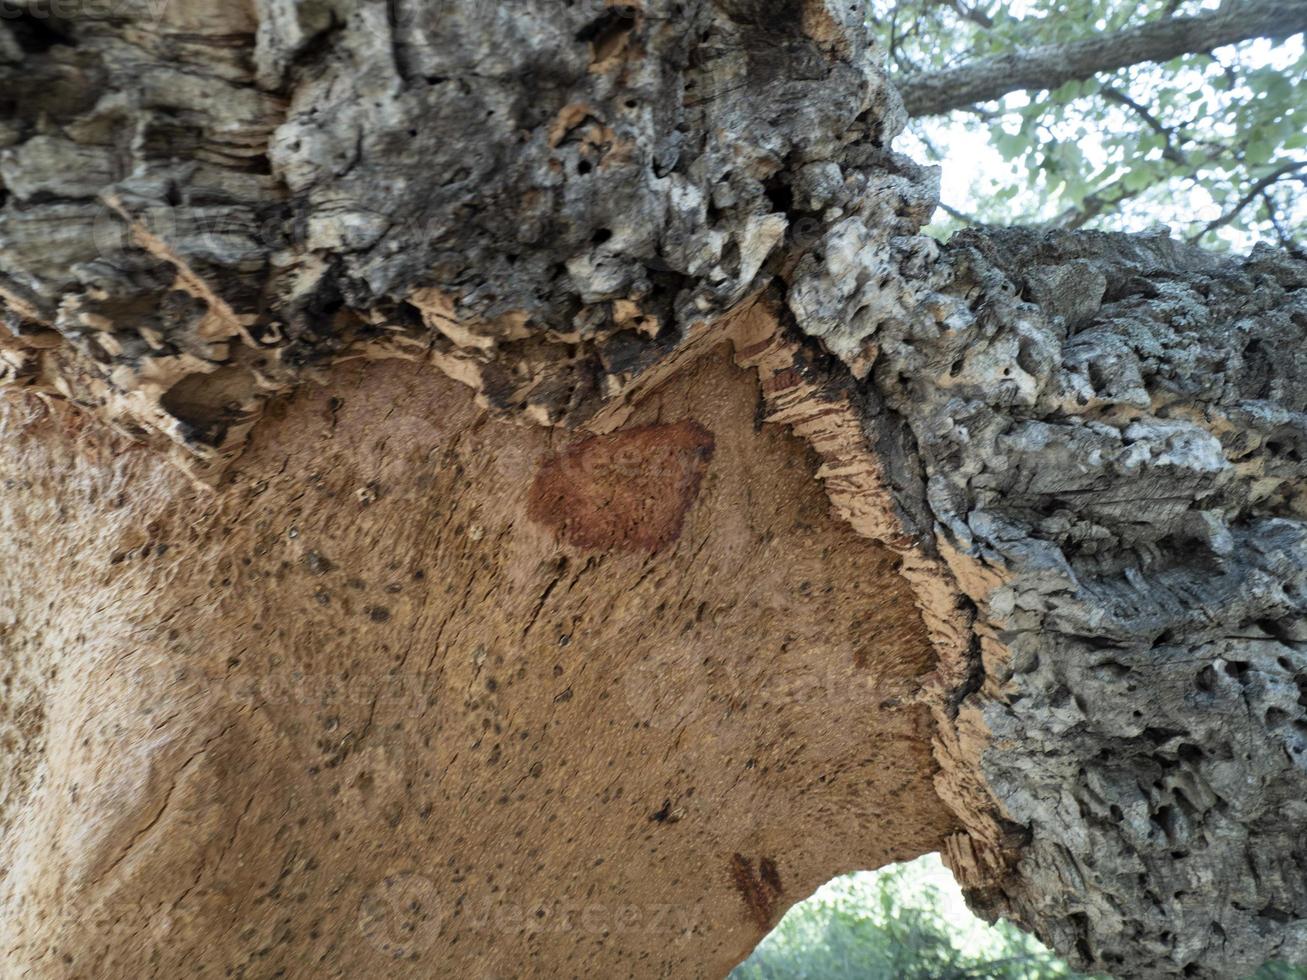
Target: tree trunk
(508, 490)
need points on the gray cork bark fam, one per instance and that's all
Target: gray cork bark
(195, 218)
(1116, 426)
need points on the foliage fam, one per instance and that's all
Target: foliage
(906, 922)
(1213, 145)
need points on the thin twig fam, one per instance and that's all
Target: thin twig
(978, 17)
(1169, 152)
(1277, 174)
(962, 216)
(1095, 204)
(1287, 241)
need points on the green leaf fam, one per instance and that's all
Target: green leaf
(1137, 178)
(1011, 145)
(1259, 151)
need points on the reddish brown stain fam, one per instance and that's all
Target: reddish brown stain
(770, 875)
(627, 491)
(759, 890)
(781, 380)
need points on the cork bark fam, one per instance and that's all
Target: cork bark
(500, 490)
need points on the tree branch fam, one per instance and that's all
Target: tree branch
(1272, 215)
(1099, 202)
(962, 216)
(1052, 65)
(976, 16)
(1279, 172)
(1169, 151)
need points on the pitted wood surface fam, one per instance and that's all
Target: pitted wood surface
(358, 715)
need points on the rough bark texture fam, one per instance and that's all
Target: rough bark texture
(1049, 66)
(1112, 431)
(572, 186)
(406, 684)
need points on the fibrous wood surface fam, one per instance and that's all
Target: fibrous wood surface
(361, 715)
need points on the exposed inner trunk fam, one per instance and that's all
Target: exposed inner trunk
(373, 705)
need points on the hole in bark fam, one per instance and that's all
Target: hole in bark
(1164, 820)
(860, 925)
(1190, 753)
(1283, 450)
(778, 191)
(1207, 679)
(607, 32)
(1113, 668)
(601, 236)
(1238, 669)
(35, 31)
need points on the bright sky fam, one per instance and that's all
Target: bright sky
(962, 137)
(970, 933)
(921, 884)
